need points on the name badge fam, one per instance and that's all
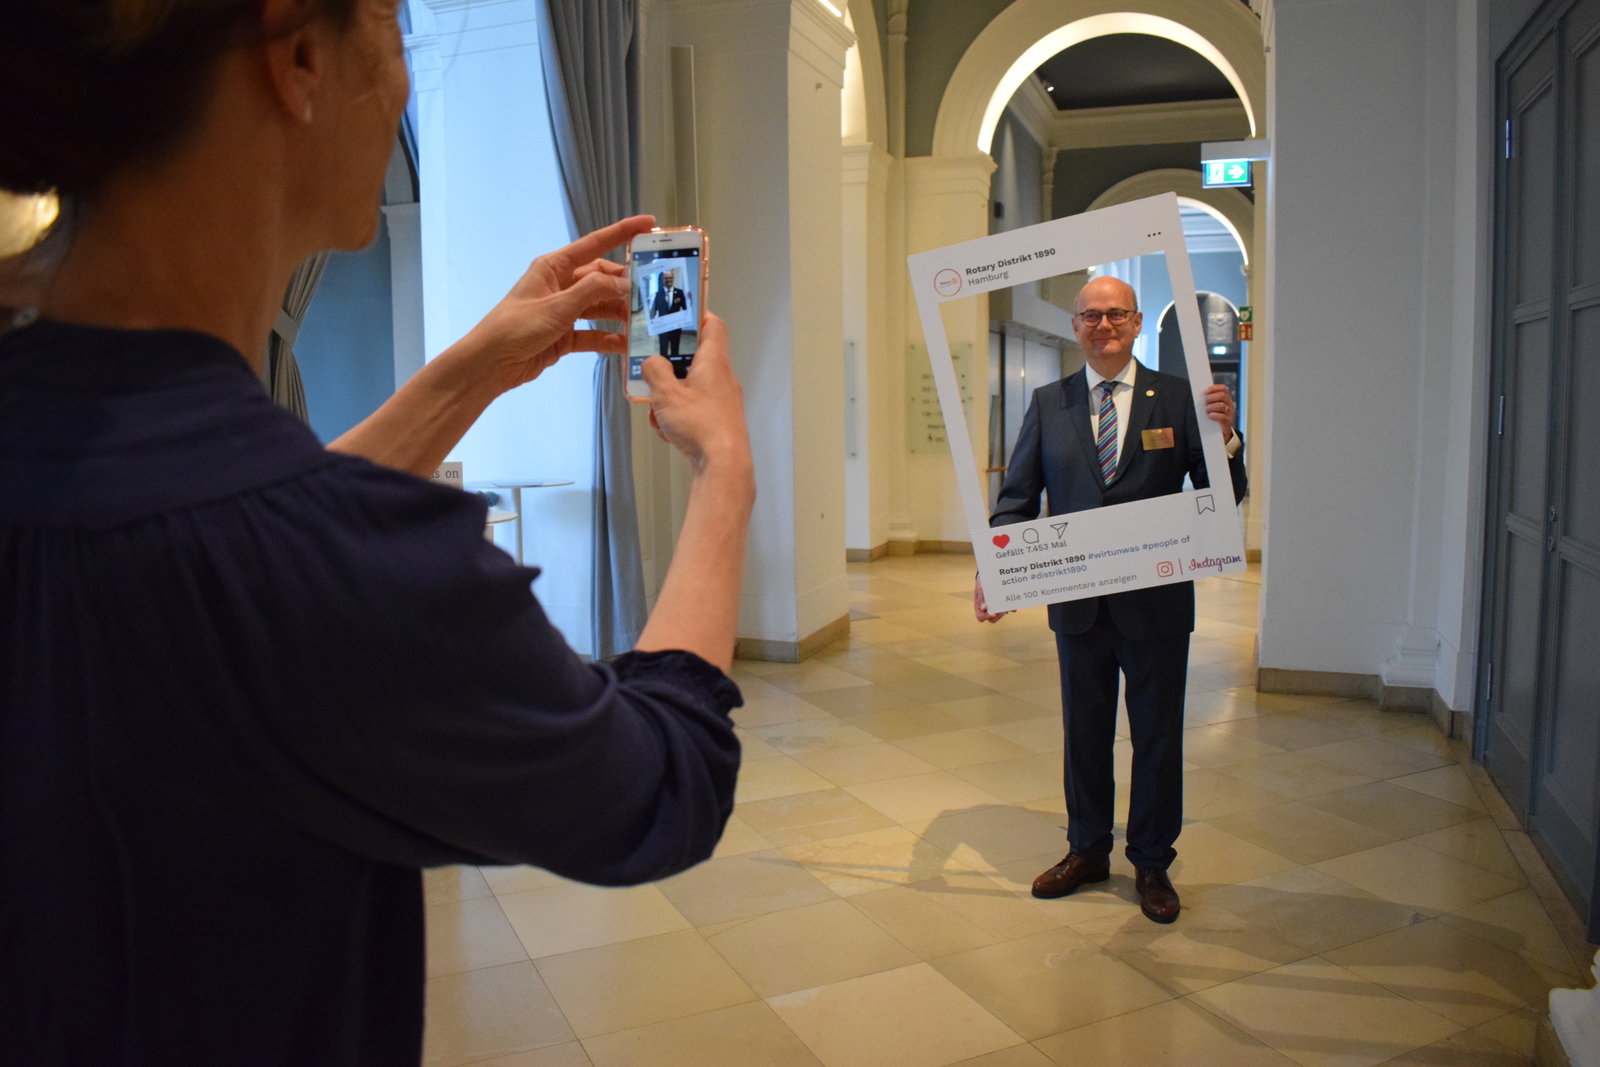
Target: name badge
(1154, 439)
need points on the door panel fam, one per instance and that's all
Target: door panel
(1533, 180)
(1581, 492)
(1527, 421)
(1586, 170)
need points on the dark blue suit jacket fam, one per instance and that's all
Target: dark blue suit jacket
(1055, 454)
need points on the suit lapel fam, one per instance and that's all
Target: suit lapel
(1075, 397)
(1138, 419)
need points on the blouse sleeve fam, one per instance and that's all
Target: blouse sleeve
(418, 707)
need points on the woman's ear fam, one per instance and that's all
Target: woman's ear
(295, 59)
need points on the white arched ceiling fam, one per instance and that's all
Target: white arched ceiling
(1228, 206)
(1028, 32)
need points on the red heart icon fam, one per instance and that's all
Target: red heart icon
(1002, 540)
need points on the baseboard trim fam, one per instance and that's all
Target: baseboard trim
(902, 548)
(866, 555)
(793, 651)
(1367, 687)
(1252, 555)
(944, 548)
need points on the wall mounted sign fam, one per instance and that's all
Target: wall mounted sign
(1225, 173)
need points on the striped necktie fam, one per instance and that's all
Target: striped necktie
(1106, 441)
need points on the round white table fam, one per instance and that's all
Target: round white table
(516, 485)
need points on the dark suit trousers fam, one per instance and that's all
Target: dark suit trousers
(668, 342)
(1156, 673)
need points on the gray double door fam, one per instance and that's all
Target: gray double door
(1539, 683)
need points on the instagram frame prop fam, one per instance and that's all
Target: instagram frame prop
(1111, 549)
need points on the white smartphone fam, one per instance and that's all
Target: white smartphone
(667, 272)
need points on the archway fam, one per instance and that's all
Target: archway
(1028, 32)
(1228, 206)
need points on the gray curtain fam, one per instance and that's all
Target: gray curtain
(591, 75)
(281, 373)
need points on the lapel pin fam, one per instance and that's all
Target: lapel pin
(1149, 392)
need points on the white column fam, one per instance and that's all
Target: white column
(947, 201)
(770, 173)
(405, 289)
(871, 383)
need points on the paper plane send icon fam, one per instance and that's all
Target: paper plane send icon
(1060, 528)
(1204, 504)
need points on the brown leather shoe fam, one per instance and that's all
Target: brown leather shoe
(1157, 899)
(1065, 877)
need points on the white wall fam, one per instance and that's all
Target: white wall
(1376, 405)
(491, 203)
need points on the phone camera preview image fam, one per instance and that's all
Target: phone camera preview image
(665, 308)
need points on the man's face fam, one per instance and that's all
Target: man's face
(1106, 341)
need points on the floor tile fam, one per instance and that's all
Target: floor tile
(740, 887)
(1466, 1049)
(1375, 757)
(855, 700)
(503, 880)
(1027, 676)
(810, 735)
(1320, 1015)
(1447, 970)
(752, 747)
(1300, 832)
(636, 983)
(1444, 783)
(810, 946)
(912, 1017)
(1209, 793)
(1174, 1033)
(1035, 735)
(1015, 1056)
(1516, 1030)
(876, 859)
(968, 662)
(445, 885)
(1205, 947)
(986, 837)
(922, 796)
(745, 1035)
(864, 763)
(948, 688)
(893, 724)
(989, 709)
(769, 711)
(1518, 921)
(1209, 857)
(823, 813)
(1294, 775)
(1312, 909)
(986, 903)
(1410, 874)
(1294, 731)
(565, 918)
(570, 1054)
(468, 934)
(1394, 810)
(1012, 780)
(1050, 982)
(776, 777)
(738, 838)
(1215, 745)
(492, 1011)
(963, 748)
(1477, 843)
(921, 923)
(800, 678)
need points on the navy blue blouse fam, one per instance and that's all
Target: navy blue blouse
(247, 688)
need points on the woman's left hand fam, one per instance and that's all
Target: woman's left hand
(533, 326)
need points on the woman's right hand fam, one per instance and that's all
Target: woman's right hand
(701, 415)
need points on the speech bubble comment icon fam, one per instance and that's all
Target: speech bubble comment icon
(1031, 536)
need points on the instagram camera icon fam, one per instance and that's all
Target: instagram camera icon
(1163, 569)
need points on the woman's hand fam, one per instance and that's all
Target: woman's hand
(701, 415)
(980, 606)
(533, 326)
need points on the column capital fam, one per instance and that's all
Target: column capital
(966, 173)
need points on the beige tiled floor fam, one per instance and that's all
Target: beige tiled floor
(1354, 893)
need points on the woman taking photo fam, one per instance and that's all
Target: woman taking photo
(249, 686)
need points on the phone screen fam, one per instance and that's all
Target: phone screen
(666, 309)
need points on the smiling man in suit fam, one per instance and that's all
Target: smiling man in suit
(1115, 432)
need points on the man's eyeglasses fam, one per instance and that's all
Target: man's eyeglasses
(1115, 316)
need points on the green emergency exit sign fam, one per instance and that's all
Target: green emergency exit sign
(1222, 173)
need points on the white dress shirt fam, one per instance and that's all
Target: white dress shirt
(1122, 400)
